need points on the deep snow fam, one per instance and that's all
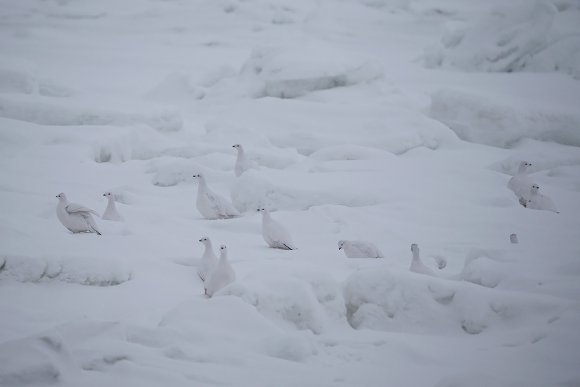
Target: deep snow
(392, 121)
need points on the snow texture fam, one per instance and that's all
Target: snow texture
(351, 130)
(519, 36)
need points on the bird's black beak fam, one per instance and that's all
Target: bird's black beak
(199, 240)
(340, 248)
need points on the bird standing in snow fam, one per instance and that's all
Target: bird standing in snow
(359, 249)
(537, 201)
(212, 205)
(242, 162)
(111, 212)
(208, 260)
(274, 233)
(417, 264)
(520, 183)
(75, 217)
(222, 275)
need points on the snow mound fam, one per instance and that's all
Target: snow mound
(53, 356)
(232, 325)
(483, 271)
(19, 81)
(87, 272)
(478, 119)
(526, 36)
(405, 302)
(113, 150)
(47, 112)
(296, 301)
(32, 361)
(292, 72)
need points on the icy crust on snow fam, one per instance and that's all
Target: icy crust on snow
(476, 118)
(525, 36)
(390, 300)
(83, 271)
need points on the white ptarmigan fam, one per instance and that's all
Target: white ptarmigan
(111, 212)
(212, 205)
(520, 183)
(417, 264)
(535, 200)
(274, 233)
(359, 249)
(208, 260)
(242, 162)
(75, 217)
(222, 275)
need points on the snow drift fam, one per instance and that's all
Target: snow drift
(526, 36)
(478, 119)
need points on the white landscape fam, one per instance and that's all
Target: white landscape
(395, 122)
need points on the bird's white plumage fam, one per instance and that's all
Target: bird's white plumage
(274, 233)
(212, 205)
(242, 161)
(221, 276)
(111, 212)
(521, 182)
(75, 217)
(208, 260)
(417, 264)
(538, 201)
(359, 249)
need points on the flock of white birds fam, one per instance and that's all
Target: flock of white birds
(216, 273)
(527, 191)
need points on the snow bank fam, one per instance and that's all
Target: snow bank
(406, 302)
(90, 272)
(478, 119)
(295, 71)
(32, 361)
(527, 36)
(47, 112)
(232, 325)
(303, 301)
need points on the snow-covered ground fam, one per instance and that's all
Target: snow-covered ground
(391, 121)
